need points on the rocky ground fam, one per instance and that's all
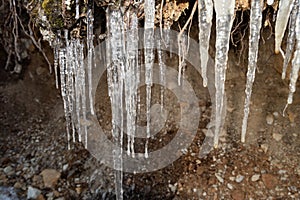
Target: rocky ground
(35, 162)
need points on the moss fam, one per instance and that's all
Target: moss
(53, 13)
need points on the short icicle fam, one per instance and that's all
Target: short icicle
(255, 26)
(224, 20)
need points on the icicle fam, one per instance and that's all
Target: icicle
(295, 62)
(224, 19)
(62, 65)
(162, 72)
(205, 15)
(117, 73)
(255, 26)
(149, 59)
(70, 67)
(77, 10)
(90, 50)
(290, 39)
(56, 50)
(182, 52)
(131, 80)
(281, 22)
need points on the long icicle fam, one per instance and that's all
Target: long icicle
(90, 52)
(205, 15)
(149, 59)
(224, 20)
(131, 81)
(117, 72)
(295, 62)
(290, 39)
(255, 26)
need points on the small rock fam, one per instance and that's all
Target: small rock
(220, 179)
(277, 136)
(8, 170)
(276, 114)
(269, 180)
(173, 187)
(18, 185)
(33, 193)
(65, 167)
(239, 178)
(50, 177)
(255, 177)
(40, 197)
(264, 147)
(238, 195)
(270, 119)
(229, 186)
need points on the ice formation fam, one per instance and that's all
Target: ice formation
(255, 26)
(149, 59)
(296, 60)
(74, 62)
(116, 77)
(290, 38)
(281, 22)
(224, 20)
(205, 10)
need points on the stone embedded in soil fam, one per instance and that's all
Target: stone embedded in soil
(33, 193)
(270, 119)
(277, 136)
(264, 147)
(50, 177)
(239, 178)
(238, 195)
(229, 186)
(220, 179)
(255, 177)
(8, 170)
(269, 180)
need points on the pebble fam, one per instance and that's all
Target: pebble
(264, 147)
(8, 170)
(33, 193)
(276, 114)
(239, 178)
(270, 119)
(220, 179)
(238, 195)
(229, 186)
(277, 136)
(269, 180)
(65, 167)
(50, 177)
(255, 177)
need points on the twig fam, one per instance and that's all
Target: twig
(36, 44)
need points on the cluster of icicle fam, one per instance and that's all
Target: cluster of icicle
(288, 11)
(123, 66)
